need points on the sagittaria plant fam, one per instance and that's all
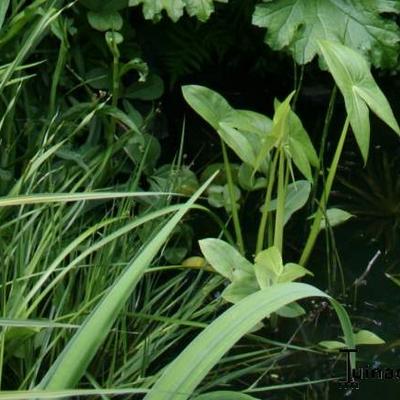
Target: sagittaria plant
(272, 147)
(267, 147)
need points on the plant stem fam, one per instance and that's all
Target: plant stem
(235, 215)
(265, 209)
(315, 228)
(280, 203)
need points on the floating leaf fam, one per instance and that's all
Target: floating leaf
(335, 216)
(297, 25)
(292, 310)
(332, 344)
(367, 337)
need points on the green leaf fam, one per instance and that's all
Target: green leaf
(71, 364)
(393, 279)
(297, 25)
(105, 21)
(335, 216)
(268, 266)
(367, 337)
(152, 9)
(248, 181)
(225, 259)
(4, 4)
(292, 310)
(296, 196)
(240, 288)
(360, 91)
(332, 344)
(208, 104)
(292, 271)
(186, 372)
(150, 89)
(224, 395)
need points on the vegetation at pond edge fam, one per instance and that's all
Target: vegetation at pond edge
(199, 199)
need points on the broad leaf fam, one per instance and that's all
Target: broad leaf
(293, 310)
(240, 288)
(268, 266)
(152, 9)
(184, 374)
(105, 21)
(297, 25)
(296, 196)
(367, 337)
(208, 104)
(225, 259)
(332, 344)
(360, 91)
(292, 271)
(335, 216)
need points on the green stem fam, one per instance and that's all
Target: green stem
(280, 203)
(62, 54)
(265, 209)
(235, 215)
(315, 228)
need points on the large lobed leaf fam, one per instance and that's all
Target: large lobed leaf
(152, 9)
(297, 25)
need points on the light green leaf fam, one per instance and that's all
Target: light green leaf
(186, 372)
(332, 344)
(152, 9)
(248, 181)
(225, 395)
(292, 310)
(208, 104)
(297, 25)
(393, 279)
(225, 259)
(240, 288)
(292, 271)
(360, 91)
(268, 266)
(105, 21)
(335, 216)
(279, 131)
(238, 142)
(71, 364)
(4, 4)
(296, 196)
(367, 337)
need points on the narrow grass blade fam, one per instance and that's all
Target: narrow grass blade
(73, 361)
(69, 197)
(62, 394)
